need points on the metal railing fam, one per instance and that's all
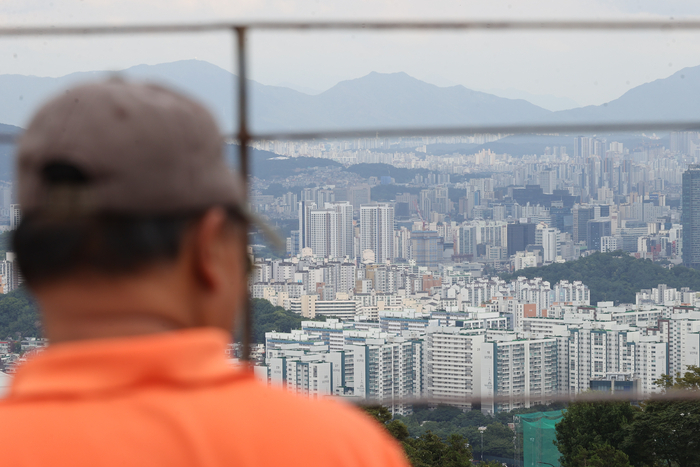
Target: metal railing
(244, 136)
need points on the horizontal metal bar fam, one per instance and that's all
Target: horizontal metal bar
(540, 129)
(486, 25)
(483, 25)
(483, 129)
(588, 396)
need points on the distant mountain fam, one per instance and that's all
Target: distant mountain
(546, 101)
(376, 100)
(676, 98)
(396, 99)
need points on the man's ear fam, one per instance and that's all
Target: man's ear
(208, 244)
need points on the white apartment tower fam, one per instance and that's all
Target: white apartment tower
(377, 231)
(330, 231)
(305, 208)
(524, 372)
(452, 364)
(550, 242)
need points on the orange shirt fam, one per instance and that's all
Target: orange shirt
(173, 400)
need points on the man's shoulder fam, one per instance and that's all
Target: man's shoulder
(320, 431)
(323, 410)
(344, 430)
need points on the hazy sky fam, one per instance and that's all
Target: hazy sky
(589, 67)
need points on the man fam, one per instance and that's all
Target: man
(133, 240)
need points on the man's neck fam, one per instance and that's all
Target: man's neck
(107, 307)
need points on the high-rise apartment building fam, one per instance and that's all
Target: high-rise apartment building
(377, 231)
(467, 240)
(305, 208)
(452, 364)
(402, 244)
(15, 216)
(331, 231)
(524, 372)
(425, 248)
(690, 217)
(550, 242)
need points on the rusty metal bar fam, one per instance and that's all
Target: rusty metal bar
(540, 128)
(246, 318)
(672, 395)
(481, 25)
(543, 129)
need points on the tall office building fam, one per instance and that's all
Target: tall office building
(377, 231)
(690, 217)
(577, 146)
(582, 214)
(597, 229)
(548, 181)
(519, 237)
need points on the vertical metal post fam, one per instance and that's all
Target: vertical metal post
(481, 430)
(243, 139)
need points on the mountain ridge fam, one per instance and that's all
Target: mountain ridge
(376, 100)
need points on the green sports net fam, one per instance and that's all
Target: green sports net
(538, 434)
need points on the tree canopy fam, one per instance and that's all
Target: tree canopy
(614, 276)
(428, 449)
(269, 318)
(19, 315)
(399, 174)
(661, 432)
(666, 431)
(588, 429)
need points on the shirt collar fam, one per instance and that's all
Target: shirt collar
(184, 358)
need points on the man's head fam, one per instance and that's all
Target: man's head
(131, 219)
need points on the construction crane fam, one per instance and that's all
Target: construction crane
(420, 215)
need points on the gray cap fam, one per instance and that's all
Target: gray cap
(143, 149)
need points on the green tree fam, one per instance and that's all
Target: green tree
(428, 449)
(269, 318)
(666, 431)
(586, 425)
(457, 453)
(614, 276)
(600, 455)
(379, 413)
(19, 315)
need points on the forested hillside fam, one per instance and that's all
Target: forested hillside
(268, 318)
(614, 276)
(18, 315)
